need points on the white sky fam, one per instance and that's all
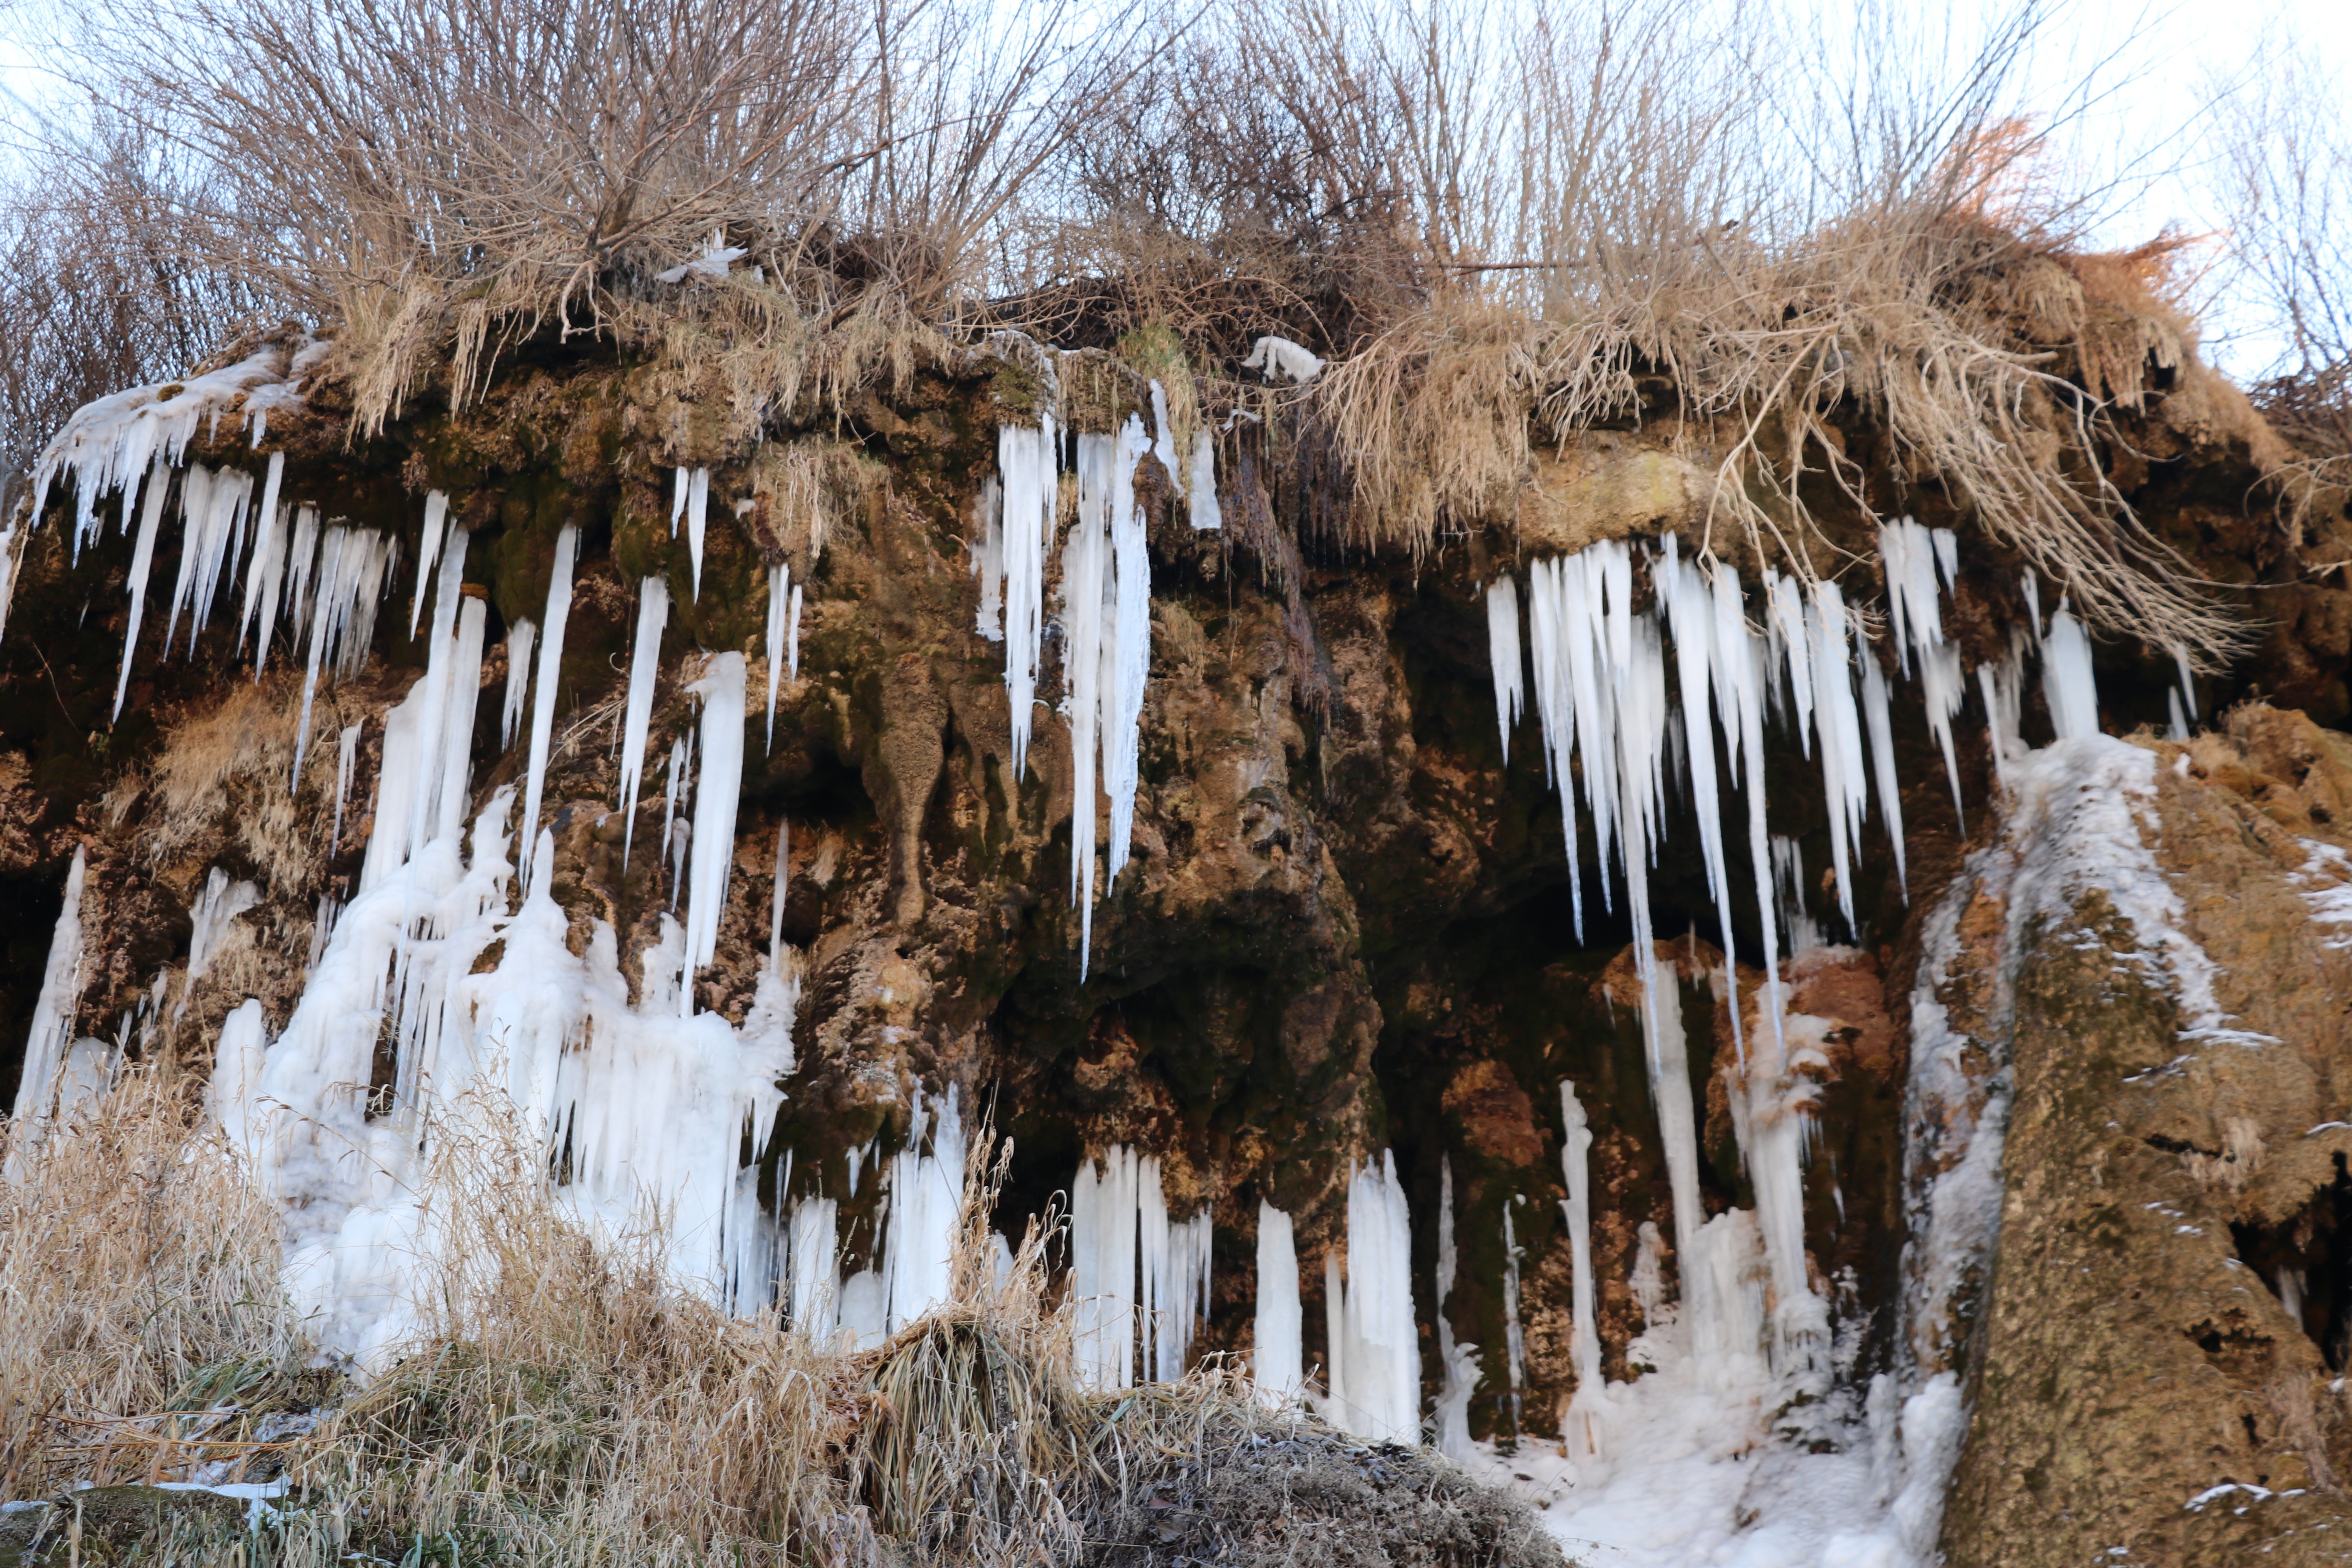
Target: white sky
(2170, 50)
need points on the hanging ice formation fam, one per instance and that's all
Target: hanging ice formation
(988, 558)
(1914, 557)
(1374, 1374)
(52, 1012)
(690, 499)
(1107, 656)
(1133, 1272)
(346, 755)
(645, 670)
(925, 1202)
(7, 573)
(1457, 1363)
(519, 639)
(342, 591)
(221, 901)
(718, 789)
(653, 1107)
(1503, 652)
(1206, 515)
(2066, 681)
(1575, 1165)
(1278, 1364)
(437, 513)
(1027, 467)
(551, 675)
(781, 593)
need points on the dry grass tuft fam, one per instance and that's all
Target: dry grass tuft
(564, 1400)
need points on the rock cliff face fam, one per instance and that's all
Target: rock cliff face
(1347, 925)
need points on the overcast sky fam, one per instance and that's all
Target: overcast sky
(2169, 51)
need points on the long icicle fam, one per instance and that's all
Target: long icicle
(645, 672)
(551, 675)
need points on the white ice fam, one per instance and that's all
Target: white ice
(2067, 683)
(520, 637)
(1028, 464)
(551, 675)
(1278, 1362)
(644, 671)
(1375, 1349)
(1504, 654)
(718, 789)
(1205, 515)
(436, 516)
(53, 1010)
(1280, 359)
(780, 594)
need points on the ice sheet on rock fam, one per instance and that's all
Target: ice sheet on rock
(1375, 1361)
(718, 789)
(1026, 463)
(53, 1010)
(645, 672)
(1278, 1362)
(1205, 515)
(1504, 654)
(815, 1269)
(2325, 884)
(551, 675)
(520, 637)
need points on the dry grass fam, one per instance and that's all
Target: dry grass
(138, 1278)
(564, 1401)
(219, 783)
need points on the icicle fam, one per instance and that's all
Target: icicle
(269, 552)
(143, 561)
(698, 514)
(1085, 593)
(1913, 556)
(550, 676)
(303, 558)
(2180, 657)
(1503, 656)
(2179, 720)
(1278, 1364)
(519, 639)
(815, 1269)
(8, 562)
(2067, 683)
(221, 901)
(987, 562)
(1376, 1357)
(53, 1015)
(1164, 439)
(210, 504)
(1103, 1219)
(1882, 755)
(1575, 1165)
(2033, 586)
(1670, 1092)
(346, 755)
(1129, 663)
(792, 636)
(645, 670)
(1207, 516)
(1515, 1340)
(1739, 686)
(680, 483)
(1839, 726)
(678, 749)
(1459, 1363)
(236, 1066)
(1771, 1109)
(776, 898)
(1689, 603)
(437, 513)
(2001, 683)
(718, 787)
(1025, 460)
(1792, 642)
(1789, 889)
(926, 1199)
(779, 590)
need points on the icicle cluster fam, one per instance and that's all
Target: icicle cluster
(1134, 1274)
(1374, 1376)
